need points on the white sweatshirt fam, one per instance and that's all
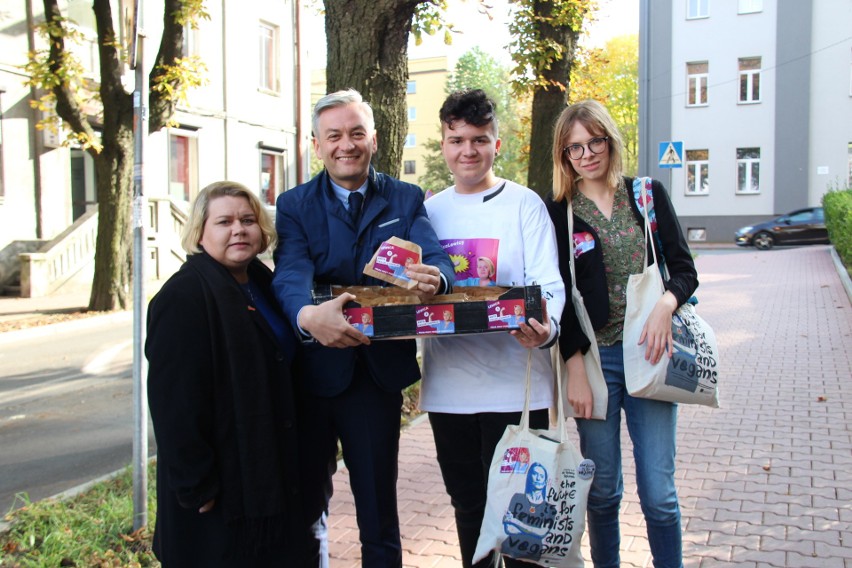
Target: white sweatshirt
(469, 374)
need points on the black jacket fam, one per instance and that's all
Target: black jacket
(222, 403)
(591, 276)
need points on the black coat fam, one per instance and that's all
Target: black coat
(222, 403)
(590, 273)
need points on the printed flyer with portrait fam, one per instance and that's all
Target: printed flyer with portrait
(474, 260)
(506, 314)
(361, 319)
(391, 260)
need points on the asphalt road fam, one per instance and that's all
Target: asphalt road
(66, 413)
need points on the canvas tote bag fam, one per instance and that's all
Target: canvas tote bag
(538, 487)
(691, 375)
(591, 358)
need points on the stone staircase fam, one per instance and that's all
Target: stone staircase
(68, 260)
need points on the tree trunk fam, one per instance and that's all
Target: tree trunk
(367, 42)
(113, 249)
(549, 101)
(114, 162)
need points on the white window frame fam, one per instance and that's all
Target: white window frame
(180, 190)
(849, 166)
(698, 168)
(412, 114)
(405, 167)
(272, 183)
(749, 6)
(411, 87)
(268, 48)
(696, 9)
(749, 76)
(697, 84)
(750, 166)
(410, 140)
(190, 42)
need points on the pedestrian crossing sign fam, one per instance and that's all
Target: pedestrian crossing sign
(671, 155)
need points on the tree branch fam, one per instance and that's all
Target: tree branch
(161, 107)
(67, 107)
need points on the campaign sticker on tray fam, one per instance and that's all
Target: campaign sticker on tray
(393, 260)
(506, 314)
(435, 319)
(361, 319)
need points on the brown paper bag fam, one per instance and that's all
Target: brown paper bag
(390, 261)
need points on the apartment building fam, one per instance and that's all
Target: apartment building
(425, 92)
(760, 94)
(243, 124)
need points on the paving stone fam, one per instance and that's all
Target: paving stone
(797, 513)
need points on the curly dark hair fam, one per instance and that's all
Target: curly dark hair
(471, 106)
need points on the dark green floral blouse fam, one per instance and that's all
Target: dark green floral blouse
(623, 253)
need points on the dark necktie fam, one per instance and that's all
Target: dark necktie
(356, 200)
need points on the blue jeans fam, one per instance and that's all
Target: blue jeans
(652, 427)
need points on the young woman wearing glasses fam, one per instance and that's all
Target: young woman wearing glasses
(609, 231)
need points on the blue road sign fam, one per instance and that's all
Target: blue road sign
(671, 155)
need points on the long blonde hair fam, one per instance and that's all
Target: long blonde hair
(200, 210)
(595, 118)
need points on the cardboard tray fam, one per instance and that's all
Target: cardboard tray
(392, 312)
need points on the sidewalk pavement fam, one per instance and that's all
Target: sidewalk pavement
(764, 481)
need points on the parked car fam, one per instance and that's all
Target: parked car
(800, 227)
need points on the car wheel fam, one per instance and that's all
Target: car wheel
(763, 240)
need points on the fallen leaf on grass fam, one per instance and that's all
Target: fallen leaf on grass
(135, 536)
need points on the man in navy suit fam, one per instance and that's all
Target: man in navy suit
(350, 386)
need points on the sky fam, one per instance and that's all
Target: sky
(614, 18)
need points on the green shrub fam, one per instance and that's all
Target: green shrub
(838, 219)
(91, 529)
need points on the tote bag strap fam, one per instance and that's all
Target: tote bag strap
(649, 234)
(524, 424)
(571, 243)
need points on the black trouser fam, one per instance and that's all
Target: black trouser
(366, 420)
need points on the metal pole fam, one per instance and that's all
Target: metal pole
(140, 393)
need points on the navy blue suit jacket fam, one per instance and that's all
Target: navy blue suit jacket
(317, 243)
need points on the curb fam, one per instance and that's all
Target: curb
(842, 273)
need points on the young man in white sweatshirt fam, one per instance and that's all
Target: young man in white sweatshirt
(473, 386)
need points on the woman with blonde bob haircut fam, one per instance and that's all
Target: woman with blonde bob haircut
(590, 191)
(222, 398)
(200, 211)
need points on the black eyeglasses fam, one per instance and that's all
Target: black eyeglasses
(595, 146)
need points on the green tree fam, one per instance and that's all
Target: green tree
(545, 40)
(374, 61)
(478, 70)
(58, 75)
(611, 75)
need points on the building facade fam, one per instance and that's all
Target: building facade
(425, 92)
(760, 94)
(242, 124)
